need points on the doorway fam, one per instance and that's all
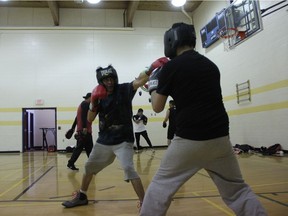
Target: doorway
(39, 129)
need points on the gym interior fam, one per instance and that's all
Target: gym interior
(46, 68)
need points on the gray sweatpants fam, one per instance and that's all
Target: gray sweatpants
(183, 159)
(104, 155)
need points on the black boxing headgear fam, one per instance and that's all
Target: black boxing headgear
(180, 34)
(102, 73)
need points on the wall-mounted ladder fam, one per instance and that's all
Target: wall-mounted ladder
(243, 91)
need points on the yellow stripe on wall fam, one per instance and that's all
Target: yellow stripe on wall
(270, 87)
(64, 122)
(242, 111)
(10, 123)
(266, 88)
(229, 98)
(67, 109)
(70, 122)
(261, 108)
(10, 110)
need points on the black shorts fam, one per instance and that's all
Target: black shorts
(170, 133)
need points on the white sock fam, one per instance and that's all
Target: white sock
(84, 192)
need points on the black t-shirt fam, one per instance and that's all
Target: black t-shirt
(140, 117)
(81, 118)
(172, 117)
(193, 81)
(115, 113)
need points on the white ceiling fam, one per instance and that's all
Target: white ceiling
(130, 6)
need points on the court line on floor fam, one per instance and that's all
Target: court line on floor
(20, 182)
(106, 188)
(15, 170)
(214, 205)
(51, 199)
(205, 198)
(273, 200)
(10, 174)
(258, 194)
(270, 184)
(151, 155)
(33, 183)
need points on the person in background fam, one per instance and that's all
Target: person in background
(202, 129)
(140, 122)
(83, 133)
(171, 118)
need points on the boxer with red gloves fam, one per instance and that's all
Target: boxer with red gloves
(83, 133)
(112, 102)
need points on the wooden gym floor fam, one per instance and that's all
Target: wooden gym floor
(36, 183)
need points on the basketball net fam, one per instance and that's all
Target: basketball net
(228, 37)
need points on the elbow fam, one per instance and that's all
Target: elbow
(91, 116)
(157, 109)
(158, 102)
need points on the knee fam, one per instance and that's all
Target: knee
(130, 173)
(89, 168)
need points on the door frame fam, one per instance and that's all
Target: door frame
(25, 129)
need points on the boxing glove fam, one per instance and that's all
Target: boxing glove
(153, 80)
(98, 93)
(164, 124)
(158, 63)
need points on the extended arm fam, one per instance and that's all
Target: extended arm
(140, 80)
(144, 76)
(158, 101)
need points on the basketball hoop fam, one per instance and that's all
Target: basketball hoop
(228, 37)
(242, 34)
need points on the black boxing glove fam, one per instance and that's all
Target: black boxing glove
(69, 133)
(164, 124)
(153, 80)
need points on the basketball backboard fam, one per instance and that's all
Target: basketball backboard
(244, 16)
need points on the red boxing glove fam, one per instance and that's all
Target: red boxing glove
(99, 92)
(158, 63)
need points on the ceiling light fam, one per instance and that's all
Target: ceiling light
(93, 1)
(178, 3)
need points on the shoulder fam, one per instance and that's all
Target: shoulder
(125, 86)
(84, 103)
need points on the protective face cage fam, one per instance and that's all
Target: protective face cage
(179, 35)
(102, 73)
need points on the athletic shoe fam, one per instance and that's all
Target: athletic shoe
(78, 199)
(72, 167)
(139, 205)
